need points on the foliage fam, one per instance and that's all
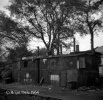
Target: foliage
(84, 20)
(12, 31)
(47, 20)
(18, 53)
(6, 73)
(52, 21)
(40, 52)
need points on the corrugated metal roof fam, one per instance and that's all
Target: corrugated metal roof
(56, 56)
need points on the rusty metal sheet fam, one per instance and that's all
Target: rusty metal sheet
(72, 75)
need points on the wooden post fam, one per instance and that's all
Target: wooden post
(38, 63)
(38, 50)
(19, 69)
(74, 44)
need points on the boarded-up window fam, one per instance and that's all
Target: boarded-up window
(101, 71)
(54, 77)
(81, 62)
(101, 61)
(44, 61)
(72, 75)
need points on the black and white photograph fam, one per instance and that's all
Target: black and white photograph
(51, 49)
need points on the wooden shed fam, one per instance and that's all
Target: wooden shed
(63, 70)
(81, 69)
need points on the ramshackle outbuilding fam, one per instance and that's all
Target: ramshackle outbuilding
(80, 69)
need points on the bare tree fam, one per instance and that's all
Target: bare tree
(85, 21)
(47, 20)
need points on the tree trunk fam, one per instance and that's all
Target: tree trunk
(50, 51)
(58, 44)
(91, 33)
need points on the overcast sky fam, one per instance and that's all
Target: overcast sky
(3, 3)
(84, 42)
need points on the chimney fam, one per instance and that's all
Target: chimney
(77, 48)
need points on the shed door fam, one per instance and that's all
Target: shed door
(81, 62)
(72, 75)
(63, 78)
(101, 71)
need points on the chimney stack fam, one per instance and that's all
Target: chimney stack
(77, 48)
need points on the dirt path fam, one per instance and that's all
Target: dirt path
(31, 91)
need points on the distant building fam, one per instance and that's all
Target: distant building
(99, 49)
